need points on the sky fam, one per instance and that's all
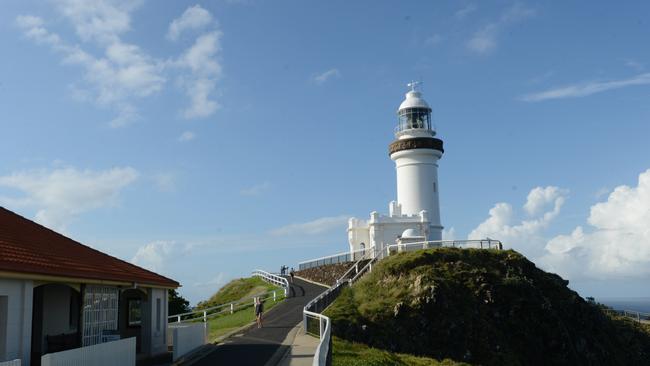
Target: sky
(203, 140)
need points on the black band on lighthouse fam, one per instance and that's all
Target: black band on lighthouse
(416, 143)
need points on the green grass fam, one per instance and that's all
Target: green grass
(346, 353)
(220, 325)
(241, 291)
(237, 289)
(480, 306)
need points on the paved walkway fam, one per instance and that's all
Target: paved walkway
(255, 346)
(302, 350)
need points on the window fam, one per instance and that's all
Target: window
(134, 312)
(100, 307)
(434, 186)
(158, 315)
(414, 118)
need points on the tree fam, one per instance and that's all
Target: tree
(177, 303)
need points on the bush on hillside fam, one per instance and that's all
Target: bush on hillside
(483, 307)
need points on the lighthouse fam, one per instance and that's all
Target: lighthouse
(415, 215)
(416, 152)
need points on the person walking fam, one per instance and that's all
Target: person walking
(291, 274)
(259, 310)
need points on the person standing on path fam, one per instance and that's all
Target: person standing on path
(291, 274)
(259, 310)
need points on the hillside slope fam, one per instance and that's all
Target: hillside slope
(238, 289)
(482, 307)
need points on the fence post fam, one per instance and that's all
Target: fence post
(232, 308)
(322, 326)
(205, 316)
(178, 320)
(304, 321)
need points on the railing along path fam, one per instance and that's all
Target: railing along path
(231, 307)
(315, 307)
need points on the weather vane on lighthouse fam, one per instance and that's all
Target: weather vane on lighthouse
(413, 84)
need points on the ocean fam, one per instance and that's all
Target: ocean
(640, 304)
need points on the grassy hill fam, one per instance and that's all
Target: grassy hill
(243, 289)
(237, 289)
(482, 307)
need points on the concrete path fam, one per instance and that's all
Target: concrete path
(302, 350)
(265, 346)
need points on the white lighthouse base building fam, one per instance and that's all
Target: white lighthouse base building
(381, 230)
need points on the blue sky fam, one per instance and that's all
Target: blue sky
(207, 139)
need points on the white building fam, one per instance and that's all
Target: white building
(415, 216)
(57, 294)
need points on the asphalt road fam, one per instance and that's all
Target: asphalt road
(255, 346)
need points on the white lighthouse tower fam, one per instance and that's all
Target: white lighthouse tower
(416, 152)
(415, 216)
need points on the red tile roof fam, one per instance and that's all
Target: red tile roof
(27, 247)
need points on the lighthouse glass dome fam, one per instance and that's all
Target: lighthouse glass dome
(414, 113)
(414, 118)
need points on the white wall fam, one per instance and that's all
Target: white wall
(19, 318)
(417, 172)
(188, 337)
(120, 352)
(154, 322)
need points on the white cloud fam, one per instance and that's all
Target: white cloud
(187, 136)
(449, 234)
(256, 190)
(314, 227)
(194, 17)
(325, 76)
(201, 60)
(485, 39)
(102, 20)
(586, 89)
(61, 194)
(540, 198)
(122, 73)
(542, 206)
(618, 244)
(156, 256)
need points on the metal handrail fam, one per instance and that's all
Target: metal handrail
(479, 243)
(356, 264)
(204, 314)
(270, 277)
(638, 316)
(323, 351)
(231, 307)
(349, 257)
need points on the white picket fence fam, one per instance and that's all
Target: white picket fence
(187, 337)
(120, 352)
(10, 363)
